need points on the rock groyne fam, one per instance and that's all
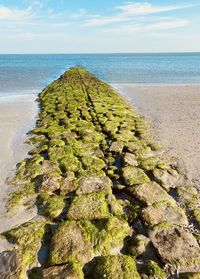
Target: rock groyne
(110, 204)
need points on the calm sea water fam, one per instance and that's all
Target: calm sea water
(24, 74)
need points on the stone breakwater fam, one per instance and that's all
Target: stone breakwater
(110, 204)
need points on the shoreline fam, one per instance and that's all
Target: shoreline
(173, 112)
(16, 119)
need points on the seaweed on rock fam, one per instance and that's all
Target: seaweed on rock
(103, 187)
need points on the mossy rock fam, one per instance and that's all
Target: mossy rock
(137, 245)
(153, 271)
(68, 244)
(161, 212)
(190, 275)
(150, 193)
(130, 159)
(176, 246)
(133, 176)
(22, 196)
(72, 270)
(167, 178)
(68, 183)
(52, 206)
(89, 207)
(116, 146)
(88, 185)
(50, 183)
(106, 235)
(93, 163)
(114, 267)
(83, 240)
(28, 238)
(29, 169)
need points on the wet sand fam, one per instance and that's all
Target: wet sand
(17, 117)
(174, 111)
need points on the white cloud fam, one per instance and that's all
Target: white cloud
(147, 8)
(146, 27)
(130, 11)
(11, 14)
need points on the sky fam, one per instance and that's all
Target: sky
(99, 26)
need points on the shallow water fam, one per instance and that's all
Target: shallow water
(25, 74)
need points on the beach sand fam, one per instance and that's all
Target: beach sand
(174, 111)
(17, 116)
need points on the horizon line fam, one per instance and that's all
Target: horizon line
(100, 53)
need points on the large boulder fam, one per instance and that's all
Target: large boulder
(167, 178)
(71, 270)
(68, 244)
(117, 146)
(133, 176)
(83, 240)
(50, 182)
(114, 267)
(88, 185)
(149, 193)
(163, 211)
(130, 159)
(176, 246)
(89, 207)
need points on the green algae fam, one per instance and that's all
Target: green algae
(152, 270)
(89, 207)
(133, 176)
(118, 267)
(28, 238)
(21, 196)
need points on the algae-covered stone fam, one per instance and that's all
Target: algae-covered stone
(117, 146)
(167, 178)
(83, 240)
(149, 163)
(88, 185)
(52, 205)
(71, 270)
(28, 238)
(138, 244)
(176, 246)
(89, 207)
(50, 182)
(29, 169)
(153, 271)
(106, 235)
(162, 211)
(69, 244)
(188, 196)
(67, 184)
(189, 275)
(130, 159)
(133, 176)
(114, 267)
(150, 193)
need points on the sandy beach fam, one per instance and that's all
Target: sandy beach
(174, 113)
(17, 116)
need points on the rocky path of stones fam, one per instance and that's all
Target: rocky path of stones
(110, 204)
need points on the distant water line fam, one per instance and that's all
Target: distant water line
(28, 74)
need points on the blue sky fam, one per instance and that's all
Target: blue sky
(86, 26)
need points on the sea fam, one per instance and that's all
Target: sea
(29, 74)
